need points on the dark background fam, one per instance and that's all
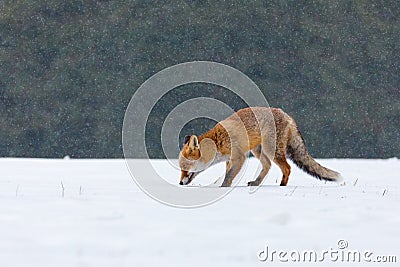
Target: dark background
(69, 68)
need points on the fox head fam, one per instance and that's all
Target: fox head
(189, 159)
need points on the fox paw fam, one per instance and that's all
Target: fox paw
(253, 183)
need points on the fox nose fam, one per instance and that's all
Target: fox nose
(181, 183)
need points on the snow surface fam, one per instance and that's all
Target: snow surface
(101, 217)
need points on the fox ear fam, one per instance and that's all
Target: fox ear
(193, 142)
(186, 140)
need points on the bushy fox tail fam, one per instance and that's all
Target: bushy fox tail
(297, 152)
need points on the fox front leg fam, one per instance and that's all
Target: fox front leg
(233, 167)
(226, 170)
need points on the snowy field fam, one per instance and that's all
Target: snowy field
(91, 213)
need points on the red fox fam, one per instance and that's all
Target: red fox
(249, 129)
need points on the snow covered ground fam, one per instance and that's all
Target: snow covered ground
(101, 218)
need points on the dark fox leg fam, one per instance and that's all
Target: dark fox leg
(256, 151)
(266, 165)
(228, 166)
(285, 168)
(233, 168)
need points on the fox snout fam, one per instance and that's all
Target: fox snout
(186, 177)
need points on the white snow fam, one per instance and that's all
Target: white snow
(91, 213)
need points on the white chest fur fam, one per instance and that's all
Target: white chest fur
(220, 158)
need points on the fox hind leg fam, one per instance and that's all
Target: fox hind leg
(285, 168)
